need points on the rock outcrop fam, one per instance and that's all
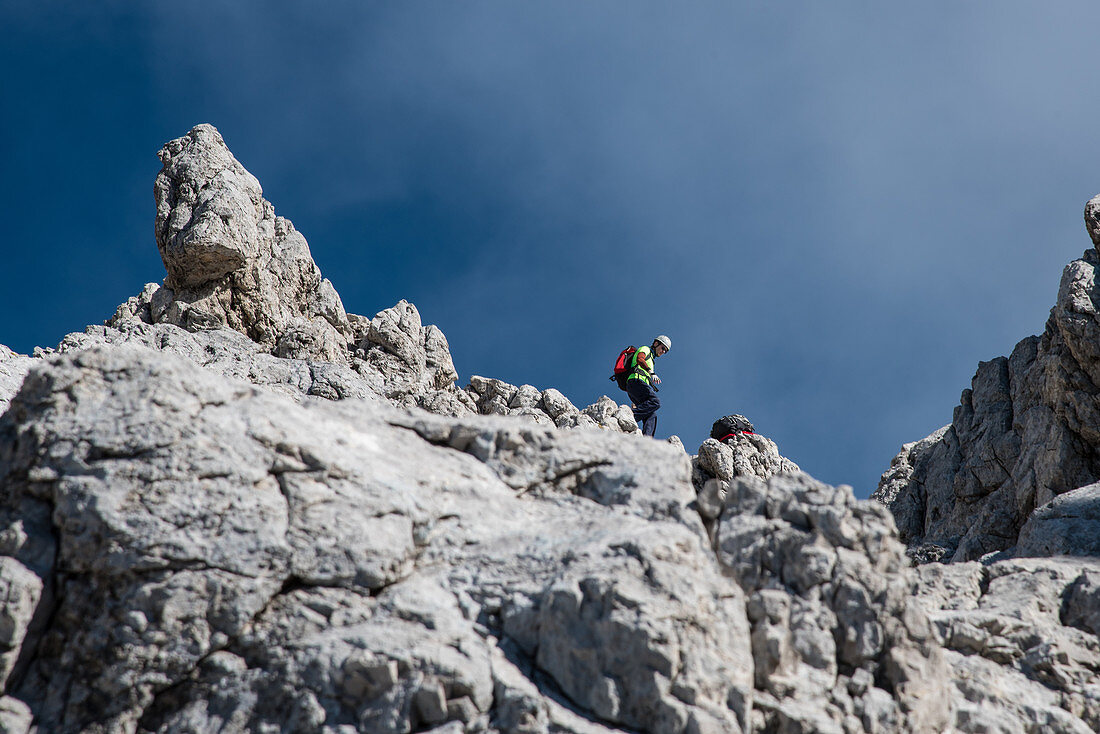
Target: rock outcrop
(1024, 434)
(1012, 481)
(236, 507)
(718, 463)
(1022, 638)
(219, 553)
(13, 368)
(234, 266)
(838, 642)
(232, 262)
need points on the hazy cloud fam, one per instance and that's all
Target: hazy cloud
(835, 210)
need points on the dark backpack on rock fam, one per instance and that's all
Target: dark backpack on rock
(730, 425)
(622, 366)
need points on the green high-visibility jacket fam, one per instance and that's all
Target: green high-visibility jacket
(641, 365)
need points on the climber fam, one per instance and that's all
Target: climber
(642, 382)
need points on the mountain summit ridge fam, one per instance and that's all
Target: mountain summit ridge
(236, 507)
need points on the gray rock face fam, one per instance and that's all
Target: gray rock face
(1016, 472)
(1034, 617)
(15, 716)
(1068, 525)
(232, 354)
(235, 507)
(225, 555)
(13, 368)
(718, 463)
(190, 552)
(1024, 433)
(548, 407)
(231, 262)
(839, 644)
(234, 266)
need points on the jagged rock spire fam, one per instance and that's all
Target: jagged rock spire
(1024, 434)
(232, 262)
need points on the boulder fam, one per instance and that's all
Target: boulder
(1068, 525)
(718, 463)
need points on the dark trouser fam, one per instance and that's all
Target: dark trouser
(646, 404)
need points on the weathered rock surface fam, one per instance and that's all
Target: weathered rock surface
(1034, 616)
(235, 507)
(718, 463)
(1012, 480)
(221, 557)
(231, 262)
(235, 266)
(232, 354)
(225, 557)
(1025, 432)
(548, 407)
(13, 368)
(839, 643)
(1068, 525)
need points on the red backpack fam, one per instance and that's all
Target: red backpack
(623, 366)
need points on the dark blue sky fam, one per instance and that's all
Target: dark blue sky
(834, 209)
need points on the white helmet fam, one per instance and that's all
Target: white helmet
(662, 339)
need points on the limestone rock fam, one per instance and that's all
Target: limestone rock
(991, 698)
(13, 368)
(1082, 603)
(744, 455)
(829, 592)
(1022, 435)
(232, 556)
(232, 354)
(894, 488)
(609, 414)
(235, 560)
(411, 361)
(233, 265)
(1068, 525)
(650, 480)
(378, 374)
(15, 716)
(191, 540)
(1026, 621)
(493, 397)
(555, 404)
(548, 407)
(231, 262)
(1092, 219)
(718, 463)
(20, 593)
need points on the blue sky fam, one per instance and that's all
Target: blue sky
(834, 209)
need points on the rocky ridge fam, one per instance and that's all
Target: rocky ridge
(248, 301)
(236, 507)
(1013, 472)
